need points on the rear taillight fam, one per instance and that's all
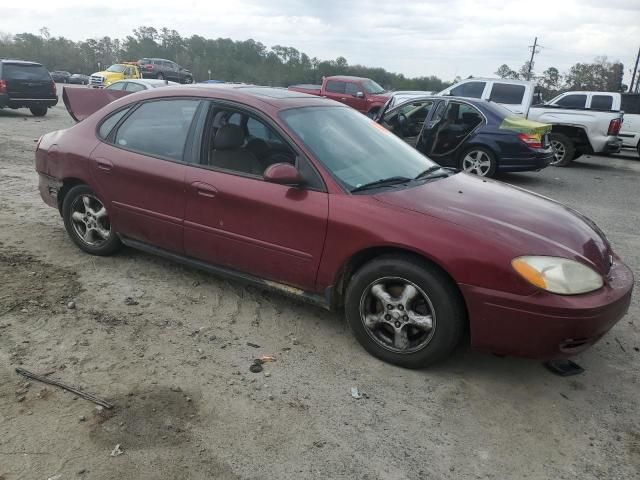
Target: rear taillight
(53, 88)
(148, 67)
(614, 126)
(532, 140)
(3, 86)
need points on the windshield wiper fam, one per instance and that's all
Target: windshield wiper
(427, 173)
(383, 182)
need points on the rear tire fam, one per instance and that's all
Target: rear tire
(564, 149)
(87, 222)
(479, 161)
(38, 111)
(405, 311)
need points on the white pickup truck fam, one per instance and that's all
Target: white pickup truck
(629, 103)
(576, 128)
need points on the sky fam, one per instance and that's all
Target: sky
(446, 38)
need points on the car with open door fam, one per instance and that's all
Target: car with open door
(307, 196)
(473, 135)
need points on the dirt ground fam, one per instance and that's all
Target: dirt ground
(175, 362)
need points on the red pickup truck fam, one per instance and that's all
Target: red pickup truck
(363, 94)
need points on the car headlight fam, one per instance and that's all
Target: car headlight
(557, 274)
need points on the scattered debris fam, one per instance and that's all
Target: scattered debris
(255, 367)
(130, 301)
(20, 398)
(319, 443)
(55, 477)
(295, 341)
(175, 388)
(266, 358)
(620, 344)
(564, 396)
(355, 393)
(254, 345)
(87, 396)
(267, 374)
(82, 471)
(270, 397)
(71, 305)
(117, 451)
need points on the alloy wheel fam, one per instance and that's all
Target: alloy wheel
(397, 315)
(90, 220)
(478, 162)
(559, 152)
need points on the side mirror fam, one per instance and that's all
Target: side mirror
(283, 174)
(359, 95)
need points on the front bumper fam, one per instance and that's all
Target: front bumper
(544, 325)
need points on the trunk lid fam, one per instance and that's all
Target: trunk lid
(82, 102)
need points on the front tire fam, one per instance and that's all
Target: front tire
(188, 80)
(564, 149)
(38, 111)
(405, 312)
(87, 222)
(479, 161)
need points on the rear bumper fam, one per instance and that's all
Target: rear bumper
(543, 325)
(612, 146)
(536, 160)
(6, 101)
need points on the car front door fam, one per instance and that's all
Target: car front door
(139, 170)
(355, 96)
(234, 218)
(407, 119)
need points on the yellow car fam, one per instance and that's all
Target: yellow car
(117, 71)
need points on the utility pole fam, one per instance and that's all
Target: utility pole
(633, 77)
(534, 50)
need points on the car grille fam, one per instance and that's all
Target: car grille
(96, 80)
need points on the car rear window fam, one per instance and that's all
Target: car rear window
(12, 71)
(507, 93)
(602, 102)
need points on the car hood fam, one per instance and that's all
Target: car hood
(525, 222)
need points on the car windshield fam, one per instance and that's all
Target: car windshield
(116, 68)
(355, 149)
(372, 87)
(12, 71)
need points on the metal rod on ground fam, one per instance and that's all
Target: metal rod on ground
(88, 396)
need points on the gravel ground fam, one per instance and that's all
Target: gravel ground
(175, 361)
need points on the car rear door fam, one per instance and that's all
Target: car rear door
(27, 81)
(237, 220)
(139, 169)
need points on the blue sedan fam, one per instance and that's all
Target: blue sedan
(476, 136)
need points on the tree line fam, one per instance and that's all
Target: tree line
(229, 60)
(601, 75)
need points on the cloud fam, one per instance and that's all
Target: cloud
(443, 38)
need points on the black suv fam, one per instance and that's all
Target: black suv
(26, 85)
(164, 70)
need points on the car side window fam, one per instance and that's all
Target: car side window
(602, 102)
(507, 93)
(248, 148)
(573, 101)
(107, 125)
(352, 88)
(158, 128)
(134, 87)
(469, 89)
(335, 86)
(117, 86)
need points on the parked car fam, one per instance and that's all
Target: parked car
(79, 79)
(473, 135)
(83, 102)
(574, 131)
(26, 85)
(363, 94)
(163, 69)
(137, 85)
(60, 76)
(401, 96)
(117, 71)
(629, 103)
(298, 194)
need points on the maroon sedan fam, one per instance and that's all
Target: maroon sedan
(307, 196)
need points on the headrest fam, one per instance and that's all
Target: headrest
(258, 147)
(228, 137)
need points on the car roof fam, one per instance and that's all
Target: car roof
(346, 77)
(267, 98)
(499, 80)
(19, 62)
